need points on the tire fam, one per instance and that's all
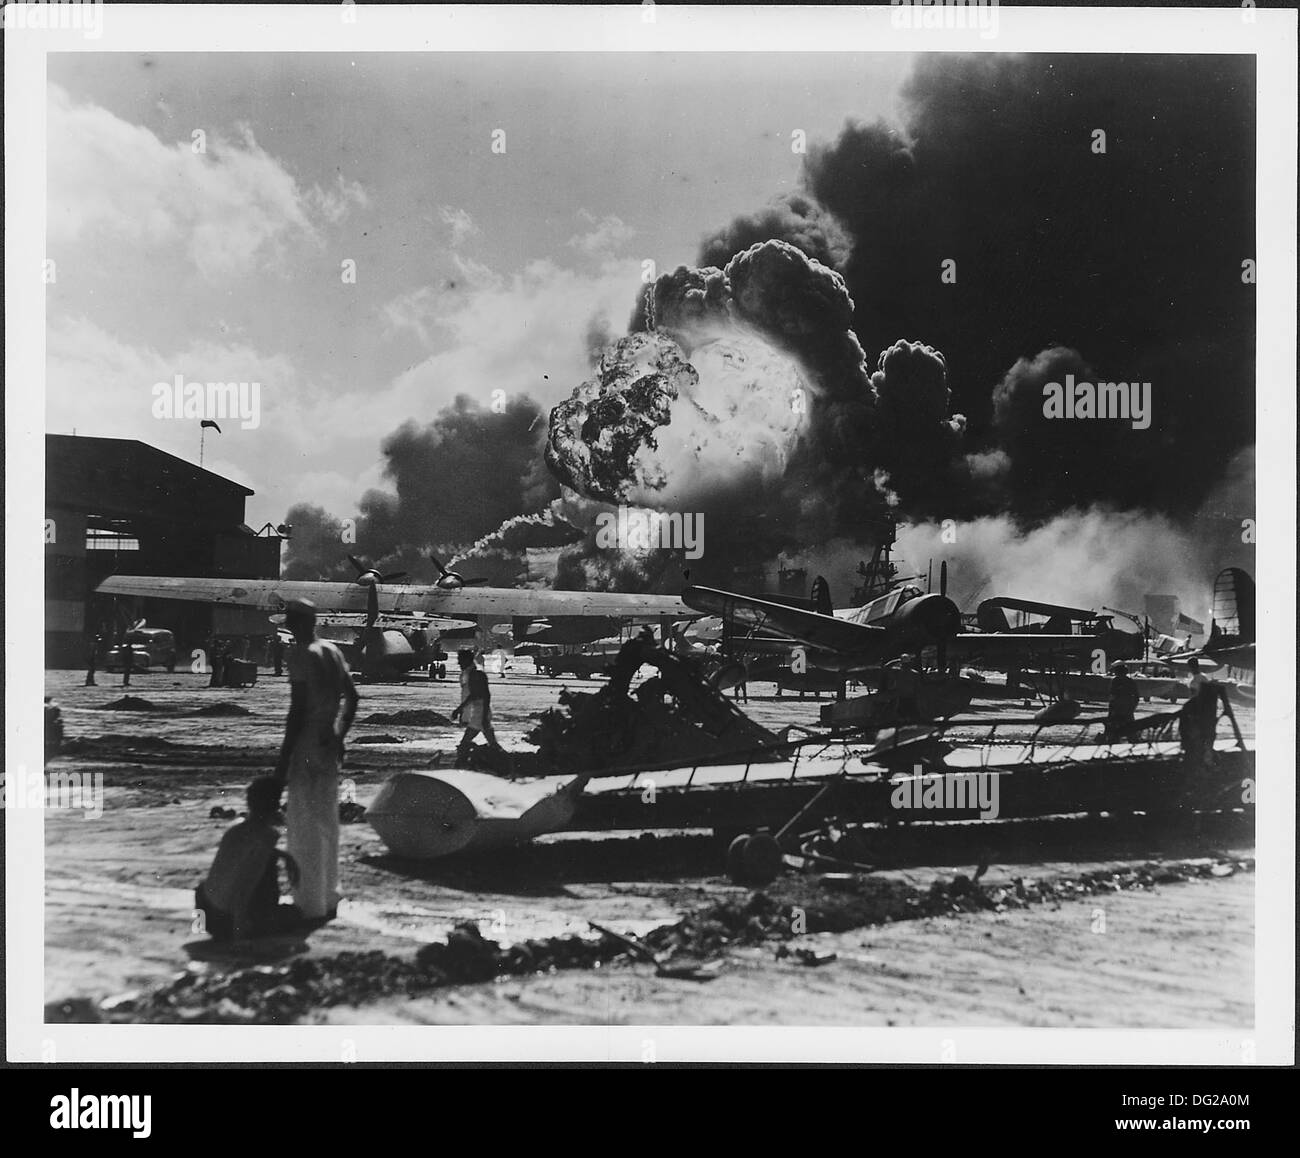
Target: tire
(754, 860)
(762, 859)
(736, 859)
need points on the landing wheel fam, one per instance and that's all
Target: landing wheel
(754, 860)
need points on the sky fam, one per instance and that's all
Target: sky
(201, 208)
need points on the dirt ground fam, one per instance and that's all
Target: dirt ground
(119, 891)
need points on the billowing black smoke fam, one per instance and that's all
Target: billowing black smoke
(319, 545)
(1131, 257)
(792, 217)
(455, 480)
(882, 338)
(467, 471)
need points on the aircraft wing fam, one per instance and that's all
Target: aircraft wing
(810, 627)
(402, 599)
(387, 622)
(1241, 656)
(1005, 645)
(1036, 608)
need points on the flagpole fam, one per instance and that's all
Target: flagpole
(203, 430)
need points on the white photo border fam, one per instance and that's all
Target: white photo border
(1269, 35)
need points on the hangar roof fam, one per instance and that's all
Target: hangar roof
(124, 477)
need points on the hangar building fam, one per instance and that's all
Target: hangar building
(116, 505)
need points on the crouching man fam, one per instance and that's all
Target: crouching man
(241, 896)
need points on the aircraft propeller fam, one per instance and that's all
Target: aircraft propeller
(941, 648)
(370, 576)
(452, 580)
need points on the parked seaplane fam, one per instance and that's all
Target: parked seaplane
(378, 604)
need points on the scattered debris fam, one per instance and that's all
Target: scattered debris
(226, 708)
(350, 812)
(411, 717)
(120, 1003)
(607, 731)
(129, 704)
(283, 993)
(217, 812)
(379, 738)
(690, 947)
(838, 882)
(811, 957)
(664, 967)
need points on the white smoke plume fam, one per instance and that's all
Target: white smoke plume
(1082, 558)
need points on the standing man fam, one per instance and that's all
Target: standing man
(907, 683)
(322, 704)
(475, 706)
(92, 656)
(1196, 680)
(217, 658)
(1123, 701)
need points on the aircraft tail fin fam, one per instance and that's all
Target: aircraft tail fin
(1233, 611)
(990, 617)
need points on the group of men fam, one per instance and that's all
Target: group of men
(96, 648)
(240, 897)
(1124, 694)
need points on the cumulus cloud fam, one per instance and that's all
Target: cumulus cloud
(231, 208)
(460, 223)
(423, 309)
(99, 384)
(334, 204)
(607, 235)
(521, 333)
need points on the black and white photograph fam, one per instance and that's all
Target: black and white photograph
(576, 520)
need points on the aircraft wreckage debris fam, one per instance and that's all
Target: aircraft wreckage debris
(286, 992)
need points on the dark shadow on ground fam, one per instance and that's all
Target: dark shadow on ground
(544, 868)
(258, 951)
(1126, 837)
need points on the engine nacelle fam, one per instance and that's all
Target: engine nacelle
(925, 621)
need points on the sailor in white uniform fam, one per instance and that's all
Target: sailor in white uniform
(323, 702)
